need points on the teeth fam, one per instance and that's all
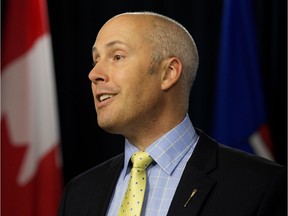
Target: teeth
(105, 96)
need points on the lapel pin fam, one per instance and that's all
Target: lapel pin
(194, 191)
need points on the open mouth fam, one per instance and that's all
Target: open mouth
(105, 97)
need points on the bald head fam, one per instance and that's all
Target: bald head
(167, 38)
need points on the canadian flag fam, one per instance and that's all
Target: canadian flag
(31, 179)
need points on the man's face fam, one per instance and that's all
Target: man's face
(125, 92)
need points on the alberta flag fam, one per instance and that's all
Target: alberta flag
(31, 180)
(240, 117)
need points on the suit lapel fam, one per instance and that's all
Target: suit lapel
(105, 188)
(195, 183)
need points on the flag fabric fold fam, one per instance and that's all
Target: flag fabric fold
(239, 112)
(31, 167)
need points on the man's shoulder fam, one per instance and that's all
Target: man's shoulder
(93, 185)
(238, 158)
(95, 173)
(234, 159)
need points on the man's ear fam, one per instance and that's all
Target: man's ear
(172, 69)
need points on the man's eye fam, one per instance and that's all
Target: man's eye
(118, 57)
(94, 63)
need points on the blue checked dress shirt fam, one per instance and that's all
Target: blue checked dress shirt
(170, 154)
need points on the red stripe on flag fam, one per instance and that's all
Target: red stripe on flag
(266, 136)
(25, 21)
(41, 195)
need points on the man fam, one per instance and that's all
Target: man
(145, 65)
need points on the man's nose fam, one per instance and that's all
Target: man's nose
(97, 74)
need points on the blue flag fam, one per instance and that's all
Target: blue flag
(240, 118)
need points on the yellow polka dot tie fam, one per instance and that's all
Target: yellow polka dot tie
(134, 196)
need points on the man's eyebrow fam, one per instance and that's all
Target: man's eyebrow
(108, 45)
(112, 43)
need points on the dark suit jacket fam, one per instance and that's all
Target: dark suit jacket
(228, 182)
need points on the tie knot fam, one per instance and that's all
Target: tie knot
(141, 160)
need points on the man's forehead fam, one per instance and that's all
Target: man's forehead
(122, 38)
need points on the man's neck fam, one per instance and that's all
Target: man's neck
(144, 137)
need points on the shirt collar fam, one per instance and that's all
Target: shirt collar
(169, 149)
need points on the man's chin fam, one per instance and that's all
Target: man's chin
(108, 127)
